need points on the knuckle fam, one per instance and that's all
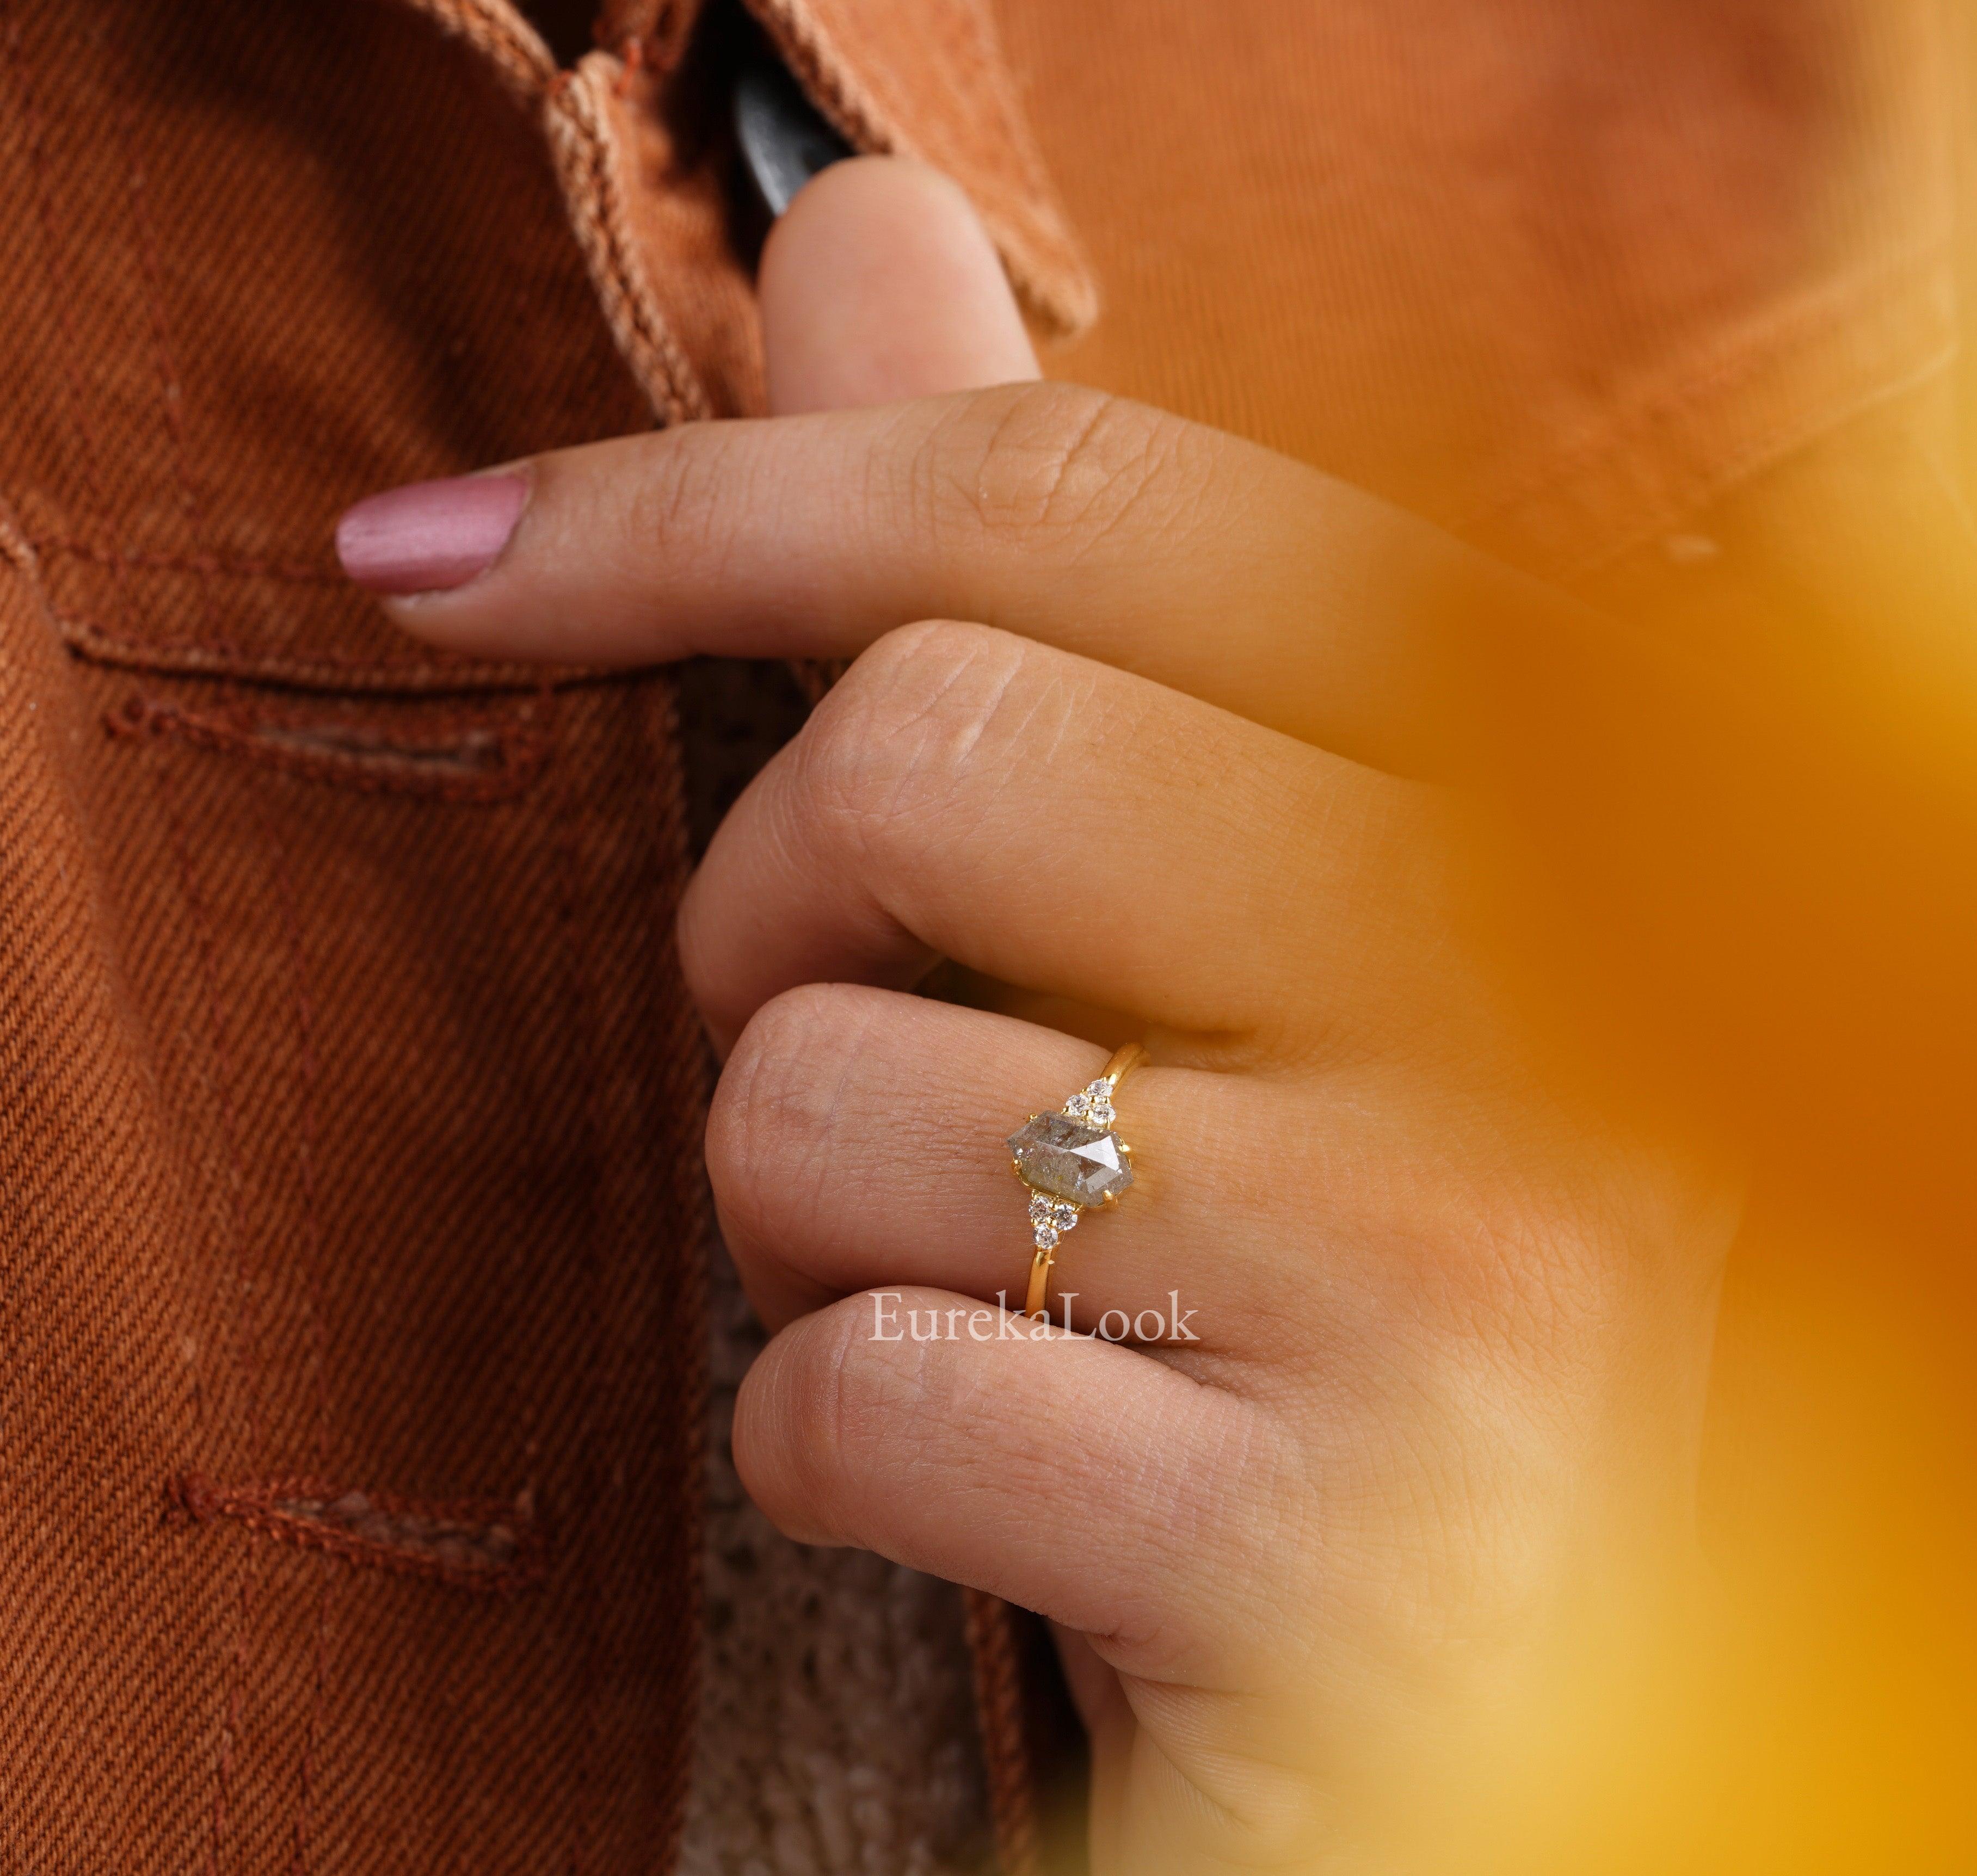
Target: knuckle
(804, 1421)
(1060, 464)
(850, 1411)
(902, 735)
(770, 1124)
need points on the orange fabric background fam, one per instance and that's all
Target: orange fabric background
(1553, 274)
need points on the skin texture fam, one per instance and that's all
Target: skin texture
(1338, 1583)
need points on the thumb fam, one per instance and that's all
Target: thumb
(879, 285)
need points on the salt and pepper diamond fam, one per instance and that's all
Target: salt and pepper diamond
(1074, 1155)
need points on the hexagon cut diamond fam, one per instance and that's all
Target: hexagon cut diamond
(1062, 1156)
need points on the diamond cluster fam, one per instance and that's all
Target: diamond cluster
(1051, 1218)
(1093, 1106)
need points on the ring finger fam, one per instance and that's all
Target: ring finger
(858, 1139)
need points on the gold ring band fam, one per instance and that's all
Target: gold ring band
(1070, 1160)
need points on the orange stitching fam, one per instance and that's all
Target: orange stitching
(573, 116)
(828, 79)
(516, 51)
(464, 758)
(1060, 288)
(323, 666)
(237, 566)
(487, 1545)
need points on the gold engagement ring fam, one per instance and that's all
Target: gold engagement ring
(1069, 1160)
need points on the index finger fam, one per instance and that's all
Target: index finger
(1083, 521)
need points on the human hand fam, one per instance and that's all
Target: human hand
(1321, 1573)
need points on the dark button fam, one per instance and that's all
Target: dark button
(784, 142)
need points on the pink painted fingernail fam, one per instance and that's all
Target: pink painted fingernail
(430, 537)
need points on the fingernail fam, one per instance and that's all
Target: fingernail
(430, 537)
